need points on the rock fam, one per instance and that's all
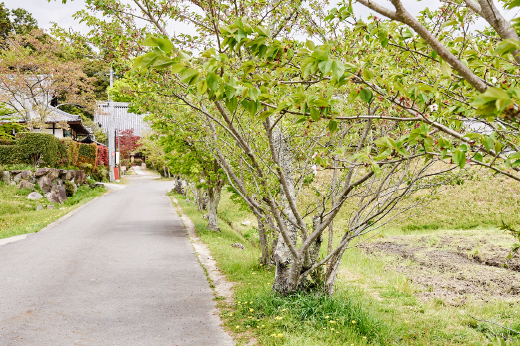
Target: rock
(17, 178)
(246, 223)
(15, 172)
(187, 199)
(42, 171)
(45, 183)
(70, 175)
(53, 173)
(62, 193)
(63, 173)
(24, 184)
(80, 177)
(53, 196)
(205, 216)
(238, 246)
(40, 207)
(6, 177)
(26, 175)
(50, 206)
(34, 196)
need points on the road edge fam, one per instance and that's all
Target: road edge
(8, 240)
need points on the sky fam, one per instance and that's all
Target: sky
(46, 12)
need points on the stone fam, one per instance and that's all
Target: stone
(70, 175)
(53, 173)
(45, 184)
(53, 196)
(246, 223)
(62, 193)
(34, 196)
(63, 173)
(80, 177)
(24, 184)
(26, 175)
(50, 206)
(17, 178)
(40, 207)
(42, 171)
(70, 188)
(6, 177)
(238, 246)
(205, 216)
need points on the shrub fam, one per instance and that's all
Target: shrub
(138, 162)
(67, 152)
(4, 141)
(87, 167)
(70, 189)
(100, 173)
(31, 148)
(87, 153)
(102, 159)
(12, 154)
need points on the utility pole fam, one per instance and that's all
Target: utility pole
(111, 144)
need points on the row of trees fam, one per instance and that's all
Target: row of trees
(364, 113)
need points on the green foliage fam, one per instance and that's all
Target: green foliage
(39, 148)
(87, 154)
(69, 188)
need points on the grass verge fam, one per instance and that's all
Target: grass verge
(18, 215)
(372, 305)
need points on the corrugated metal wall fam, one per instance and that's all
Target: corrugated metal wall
(123, 120)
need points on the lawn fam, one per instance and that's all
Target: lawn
(18, 215)
(429, 292)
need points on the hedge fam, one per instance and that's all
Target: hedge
(4, 141)
(68, 152)
(102, 159)
(39, 148)
(12, 154)
(87, 153)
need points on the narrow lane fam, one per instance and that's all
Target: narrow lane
(121, 271)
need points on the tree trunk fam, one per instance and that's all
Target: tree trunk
(214, 198)
(267, 258)
(285, 280)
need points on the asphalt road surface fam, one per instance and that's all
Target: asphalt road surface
(121, 271)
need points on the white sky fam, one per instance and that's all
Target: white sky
(46, 12)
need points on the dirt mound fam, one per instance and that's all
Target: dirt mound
(453, 268)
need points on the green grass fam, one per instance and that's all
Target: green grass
(18, 215)
(382, 302)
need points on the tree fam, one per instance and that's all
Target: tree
(127, 143)
(22, 21)
(32, 74)
(276, 112)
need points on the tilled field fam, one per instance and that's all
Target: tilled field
(454, 267)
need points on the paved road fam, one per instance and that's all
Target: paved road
(121, 271)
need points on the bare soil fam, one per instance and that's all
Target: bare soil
(454, 268)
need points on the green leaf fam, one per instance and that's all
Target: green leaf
(478, 157)
(202, 87)
(366, 95)
(512, 4)
(265, 114)
(325, 66)
(338, 69)
(459, 157)
(333, 126)
(449, 23)
(376, 169)
(189, 76)
(177, 68)
(231, 104)
(445, 69)
(315, 114)
(164, 44)
(213, 81)
(367, 74)
(309, 44)
(506, 46)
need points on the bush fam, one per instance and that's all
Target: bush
(100, 173)
(102, 159)
(12, 154)
(70, 188)
(87, 153)
(138, 162)
(38, 148)
(4, 141)
(67, 152)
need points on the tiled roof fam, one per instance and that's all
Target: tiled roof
(122, 119)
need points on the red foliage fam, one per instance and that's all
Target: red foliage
(102, 158)
(127, 143)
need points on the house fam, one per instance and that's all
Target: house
(121, 117)
(57, 122)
